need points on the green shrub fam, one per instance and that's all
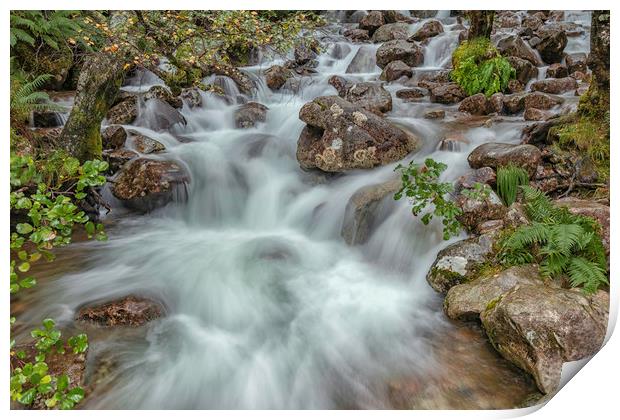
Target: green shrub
(561, 242)
(420, 184)
(509, 178)
(479, 68)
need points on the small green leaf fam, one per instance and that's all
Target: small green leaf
(23, 228)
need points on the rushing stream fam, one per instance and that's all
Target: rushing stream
(267, 307)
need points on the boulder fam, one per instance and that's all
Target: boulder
(305, 52)
(483, 175)
(391, 31)
(357, 35)
(160, 116)
(555, 86)
(532, 22)
(459, 262)
(430, 29)
(540, 100)
(475, 104)
(495, 155)
(372, 21)
(395, 70)
(361, 209)
(507, 19)
(371, 96)
(116, 158)
(411, 94)
(535, 114)
(145, 184)
(514, 46)
(276, 76)
(539, 327)
(525, 70)
(495, 104)
(163, 94)
(513, 104)
(556, 71)
(391, 16)
(146, 145)
(553, 40)
(128, 311)
(124, 112)
(448, 93)
(398, 49)
(356, 16)
(477, 210)
(577, 62)
(192, 97)
(515, 86)
(434, 114)
(597, 211)
(467, 300)
(113, 137)
(341, 136)
(249, 114)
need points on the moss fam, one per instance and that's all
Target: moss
(452, 276)
(493, 303)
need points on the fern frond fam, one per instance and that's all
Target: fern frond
(586, 274)
(509, 178)
(564, 237)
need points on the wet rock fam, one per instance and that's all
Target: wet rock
(459, 262)
(391, 31)
(430, 29)
(305, 53)
(555, 86)
(525, 71)
(477, 210)
(248, 115)
(435, 114)
(557, 70)
(496, 155)
(577, 62)
(391, 16)
(532, 22)
(411, 94)
(361, 209)
(506, 19)
(276, 76)
(514, 46)
(535, 114)
(364, 61)
(124, 112)
(538, 328)
(407, 52)
(495, 104)
(161, 116)
(483, 176)
(242, 80)
(395, 70)
(356, 16)
(129, 311)
(113, 137)
(371, 96)
(467, 300)
(540, 100)
(553, 40)
(449, 93)
(341, 136)
(357, 35)
(145, 184)
(597, 211)
(453, 142)
(147, 145)
(116, 158)
(423, 14)
(192, 97)
(372, 21)
(340, 84)
(475, 104)
(163, 94)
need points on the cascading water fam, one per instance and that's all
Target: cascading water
(267, 307)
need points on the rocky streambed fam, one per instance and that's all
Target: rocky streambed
(257, 258)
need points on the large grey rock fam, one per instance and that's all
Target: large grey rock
(163, 94)
(459, 262)
(391, 31)
(496, 155)
(477, 210)
(113, 137)
(361, 208)
(341, 136)
(539, 327)
(467, 300)
(371, 96)
(407, 52)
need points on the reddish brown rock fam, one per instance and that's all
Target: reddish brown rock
(391, 31)
(411, 94)
(113, 137)
(357, 35)
(129, 311)
(372, 21)
(557, 70)
(407, 52)
(555, 86)
(475, 104)
(496, 155)
(430, 29)
(540, 100)
(535, 114)
(276, 76)
(395, 70)
(449, 93)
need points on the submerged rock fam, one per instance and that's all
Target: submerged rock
(161, 116)
(145, 184)
(341, 136)
(360, 211)
(248, 115)
(364, 61)
(128, 311)
(539, 327)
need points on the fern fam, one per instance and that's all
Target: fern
(27, 98)
(561, 242)
(509, 178)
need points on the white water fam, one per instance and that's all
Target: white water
(267, 306)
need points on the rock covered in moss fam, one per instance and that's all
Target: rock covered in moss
(341, 136)
(163, 94)
(477, 210)
(145, 184)
(539, 327)
(129, 311)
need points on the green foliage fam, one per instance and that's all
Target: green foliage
(420, 183)
(31, 379)
(26, 97)
(561, 242)
(479, 68)
(509, 179)
(479, 192)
